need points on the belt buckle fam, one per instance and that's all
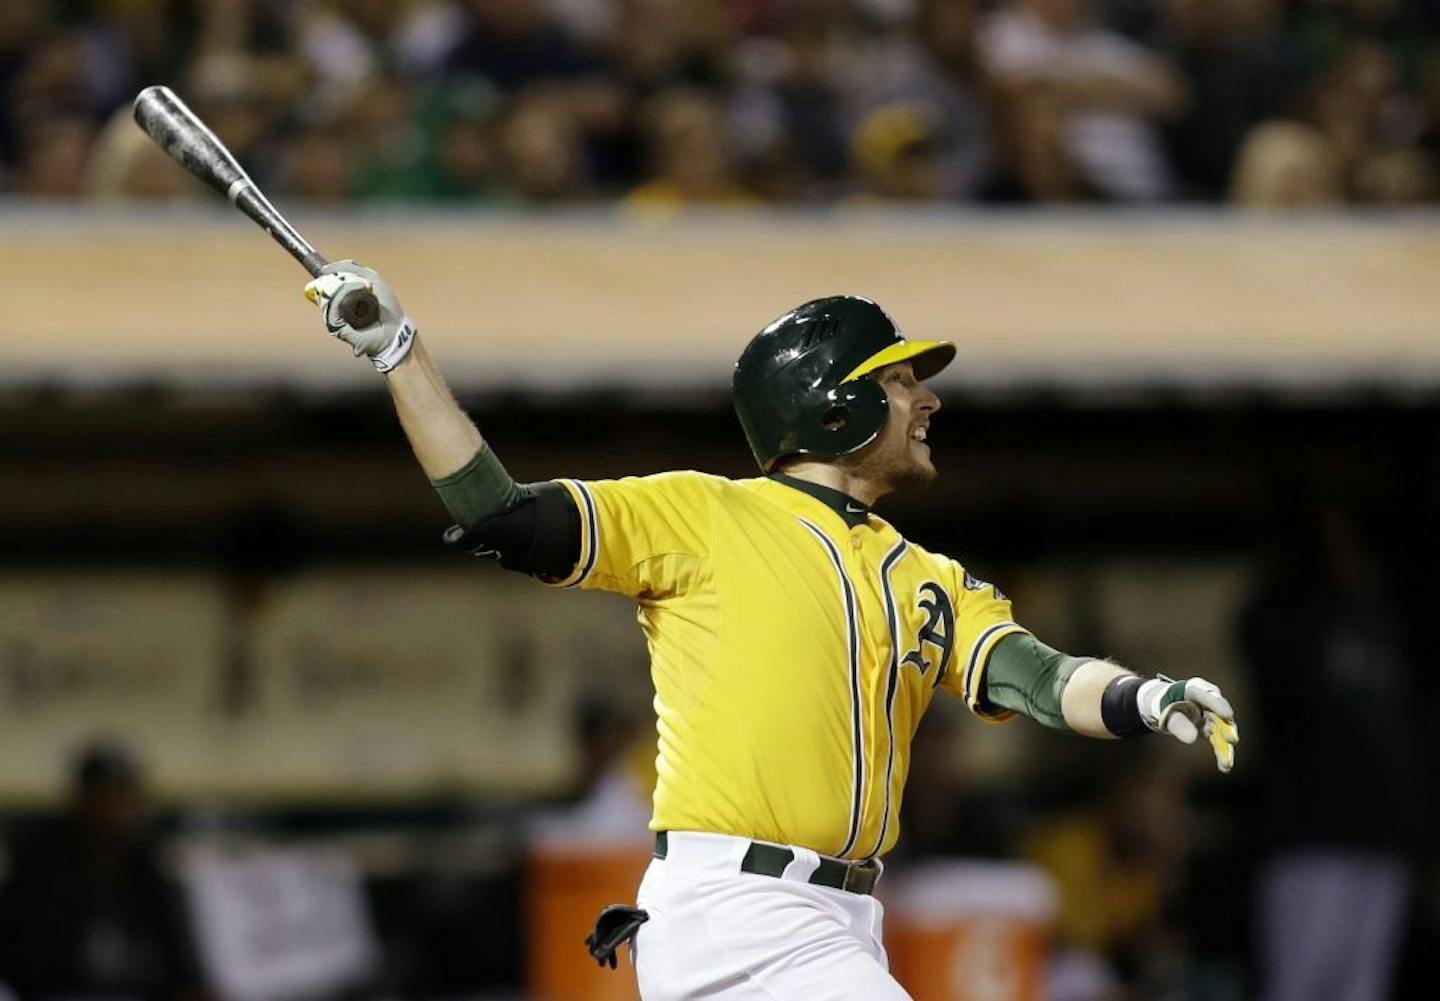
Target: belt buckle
(859, 878)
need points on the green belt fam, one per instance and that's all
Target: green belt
(771, 860)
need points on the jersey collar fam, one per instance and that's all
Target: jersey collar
(848, 508)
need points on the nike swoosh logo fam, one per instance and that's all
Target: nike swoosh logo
(853, 509)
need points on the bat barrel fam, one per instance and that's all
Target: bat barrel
(188, 141)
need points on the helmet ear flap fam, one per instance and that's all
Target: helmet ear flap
(836, 422)
(845, 419)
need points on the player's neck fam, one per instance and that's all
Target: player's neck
(828, 474)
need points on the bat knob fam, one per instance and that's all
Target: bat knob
(360, 309)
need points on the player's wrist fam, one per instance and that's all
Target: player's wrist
(1122, 708)
(390, 357)
(1132, 705)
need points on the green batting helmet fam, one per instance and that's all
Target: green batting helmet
(799, 384)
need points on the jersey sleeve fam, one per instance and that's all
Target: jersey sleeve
(982, 619)
(642, 536)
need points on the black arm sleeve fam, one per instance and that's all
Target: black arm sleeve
(539, 536)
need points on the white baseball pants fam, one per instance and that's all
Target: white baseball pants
(724, 935)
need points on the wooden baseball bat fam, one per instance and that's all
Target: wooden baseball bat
(180, 133)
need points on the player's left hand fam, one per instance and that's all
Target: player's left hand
(1186, 709)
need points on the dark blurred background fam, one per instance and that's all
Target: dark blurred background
(265, 738)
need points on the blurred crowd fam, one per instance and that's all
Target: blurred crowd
(668, 103)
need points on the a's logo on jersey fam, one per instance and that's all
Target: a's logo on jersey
(937, 635)
(976, 584)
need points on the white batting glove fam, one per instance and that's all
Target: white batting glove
(1186, 709)
(385, 342)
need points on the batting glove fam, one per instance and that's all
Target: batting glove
(385, 342)
(1187, 709)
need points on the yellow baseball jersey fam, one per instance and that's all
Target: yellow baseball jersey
(794, 647)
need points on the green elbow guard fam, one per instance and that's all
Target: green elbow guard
(480, 489)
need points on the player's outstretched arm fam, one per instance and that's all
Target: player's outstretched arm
(443, 437)
(1098, 699)
(533, 528)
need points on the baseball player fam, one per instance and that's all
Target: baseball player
(796, 639)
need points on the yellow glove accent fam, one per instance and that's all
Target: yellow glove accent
(1223, 735)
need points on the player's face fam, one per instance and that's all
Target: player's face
(900, 457)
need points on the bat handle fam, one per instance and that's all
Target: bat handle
(360, 309)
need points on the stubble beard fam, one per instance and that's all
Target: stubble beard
(912, 475)
(893, 472)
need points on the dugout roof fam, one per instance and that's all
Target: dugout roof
(196, 296)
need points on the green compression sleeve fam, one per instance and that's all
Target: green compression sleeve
(1027, 676)
(478, 490)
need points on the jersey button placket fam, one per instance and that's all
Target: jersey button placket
(870, 678)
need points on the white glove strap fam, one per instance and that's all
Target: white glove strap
(1148, 699)
(396, 351)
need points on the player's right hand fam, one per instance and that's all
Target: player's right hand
(385, 342)
(1186, 709)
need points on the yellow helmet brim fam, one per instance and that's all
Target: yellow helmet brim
(928, 358)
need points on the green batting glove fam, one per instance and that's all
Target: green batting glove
(385, 342)
(1186, 709)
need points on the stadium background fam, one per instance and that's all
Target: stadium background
(1184, 248)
